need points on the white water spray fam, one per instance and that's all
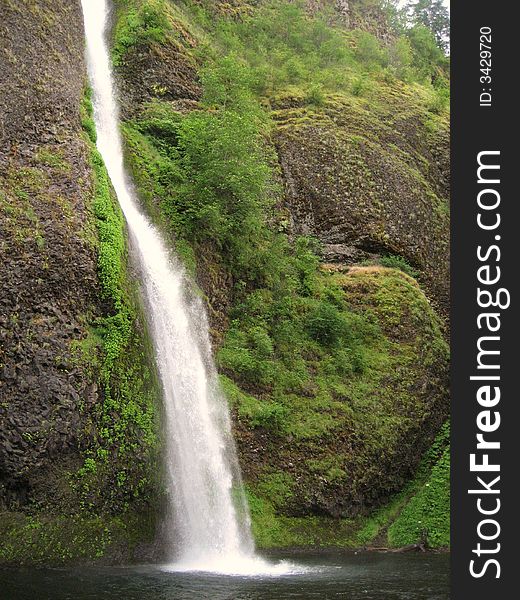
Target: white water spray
(209, 524)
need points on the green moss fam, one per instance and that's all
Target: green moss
(256, 413)
(139, 24)
(394, 346)
(420, 511)
(87, 115)
(53, 159)
(272, 530)
(26, 191)
(325, 384)
(109, 224)
(330, 467)
(63, 540)
(375, 166)
(127, 420)
(278, 487)
(398, 262)
(426, 515)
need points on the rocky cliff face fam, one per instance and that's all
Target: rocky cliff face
(381, 423)
(370, 177)
(60, 401)
(146, 71)
(48, 279)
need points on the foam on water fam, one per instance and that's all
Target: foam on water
(240, 565)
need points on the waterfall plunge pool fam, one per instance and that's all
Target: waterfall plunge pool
(325, 575)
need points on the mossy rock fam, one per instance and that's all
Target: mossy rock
(366, 176)
(153, 53)
(363, 443)
(76, 539)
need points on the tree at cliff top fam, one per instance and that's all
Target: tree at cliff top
(425, 26)
(434, 15)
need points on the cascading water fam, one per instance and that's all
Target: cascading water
(209, 525)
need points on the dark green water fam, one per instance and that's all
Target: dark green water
(363, 576)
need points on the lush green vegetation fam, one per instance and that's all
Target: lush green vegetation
(329, 372)
(140, 24)
(398, 262)
(210, 169)
(284, 47)
(425, 516)
(274, 530)
(307, 353)
(291, 335)
(114, 351)
(435, 16)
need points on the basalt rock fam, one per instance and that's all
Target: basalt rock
(166, 71)
(48, 281)
(368, 177)
(54, 313)
(395, 413)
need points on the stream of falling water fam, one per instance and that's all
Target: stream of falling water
(209, 526)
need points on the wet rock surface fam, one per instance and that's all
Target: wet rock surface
(48, 281)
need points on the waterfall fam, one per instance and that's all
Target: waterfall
(209, 525)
